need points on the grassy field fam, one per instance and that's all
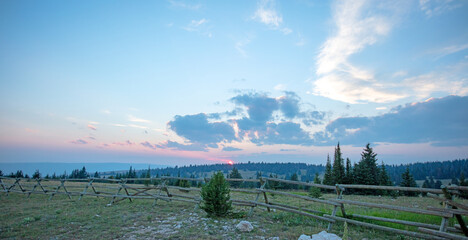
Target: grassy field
(91, 218)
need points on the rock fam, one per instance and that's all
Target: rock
(304, 237)
(244, 226)
(323, 235)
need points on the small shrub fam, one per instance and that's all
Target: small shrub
(315, 192)
(216, 196)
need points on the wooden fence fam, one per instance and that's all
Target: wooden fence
(159, 189)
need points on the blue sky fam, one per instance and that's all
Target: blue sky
(195, 82)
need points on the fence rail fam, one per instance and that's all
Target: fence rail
(122, 189)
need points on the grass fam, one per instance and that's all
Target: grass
(90, 218)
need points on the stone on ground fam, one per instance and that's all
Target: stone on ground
(323, 235)
(244, 226)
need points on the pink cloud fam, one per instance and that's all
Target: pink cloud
(79, 142)
(92, 127)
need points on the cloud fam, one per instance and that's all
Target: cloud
(231, 149)
(440, 121)
(184, 147)
(92, 127)
(197, 128)
(199, 26)
(240, 46)
(126, 143)
(438, 7)
(441, 52)
(139, 120)
(180, 4)
(451, 80)
(268, 121)
(79, 142)
(356, 28)
(148, 145)
(266, 13)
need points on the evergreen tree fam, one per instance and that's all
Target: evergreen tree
(463, 194)
(425, 185)
(236, 175)
(148, 175)
(338, 166)
(408, 181)
(19, 174)
(216, 196)
(455, 181)
(294, 177)
(96, 175)
(1, 173)
(317, 179)
(384, 180)
(349, 179)
(366, 171)
(328, 177)
(36, 174)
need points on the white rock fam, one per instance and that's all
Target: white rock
(244, 226)
(323, 235)
(304, 237)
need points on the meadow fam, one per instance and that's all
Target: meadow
(93, 217)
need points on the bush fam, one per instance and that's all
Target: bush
(215, 196)
(315, 192)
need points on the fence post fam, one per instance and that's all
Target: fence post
(34, 187)
(339, 195)
(263, 183)
(448, 196)
(86, 188)
(3, 186)
(163, 184)
(62, 184)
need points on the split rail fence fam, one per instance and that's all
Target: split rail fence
(159, 189)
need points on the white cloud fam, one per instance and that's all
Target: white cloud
(400, 74)
(357, 26)
(199, 26)
(348, 89)
(267, 14)
(240, 46)
(180, 4)
(452, 80)
(441, 52)
(438, 7)
(135, 119)
(280, 87)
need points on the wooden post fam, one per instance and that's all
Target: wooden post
(34, 187)
(449, 198)
(3, 186)
(86, 187)
(62, 184)
(161, 185)
(339, 195)
(115, 195)
(122, 183)
(263, 183)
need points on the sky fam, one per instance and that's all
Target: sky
(199, 82)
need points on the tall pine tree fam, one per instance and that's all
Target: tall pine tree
(338, 166)
(407, 180)
(328, 177)
(349, 179)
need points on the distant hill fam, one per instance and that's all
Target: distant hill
(306, 172)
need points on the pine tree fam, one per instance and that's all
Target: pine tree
(36, 174)
(384, 180)
(338, 166)
(425, 185)
(236, 175)
(366, 171)
(317, 179)
(328, 177)
(464, 183)
(408, 181)
(216, 196)
(349, 178)
(294, 177)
